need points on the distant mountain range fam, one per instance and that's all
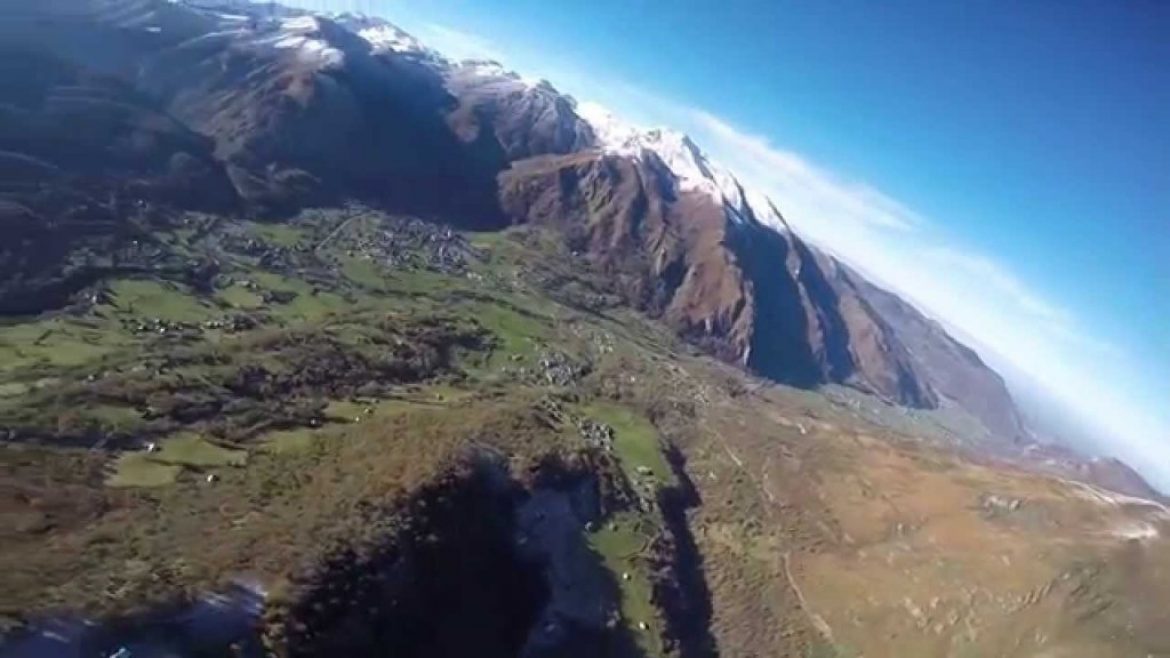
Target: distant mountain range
(246, 108)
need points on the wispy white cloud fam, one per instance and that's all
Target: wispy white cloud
(1001, 282)
(457, 44)
(818, 190)
(997, 277)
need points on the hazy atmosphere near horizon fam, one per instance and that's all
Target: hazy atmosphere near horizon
(1007, 168)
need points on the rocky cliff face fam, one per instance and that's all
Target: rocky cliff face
(749, 293)
(523, 119)
(954, 369)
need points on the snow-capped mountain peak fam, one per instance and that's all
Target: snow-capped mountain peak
(614, 134)
(301, 34)
(490, 68)
(382, 35)
(315, 39)
(691, 167)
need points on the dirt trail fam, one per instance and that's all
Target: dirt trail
(816, 620)
(335, 232)
(769, 499)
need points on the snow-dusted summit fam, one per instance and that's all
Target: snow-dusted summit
(382, 35)
(311, 39)
(302, 35)
(691, 167)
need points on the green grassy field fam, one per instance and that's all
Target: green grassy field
(134, 469)
(198, 452)
(237, 296)
(165, 300)
(310, 304)
(365, 273)
(116, 419)
(283, 235)
(635, 440)
(176, 454)
(288, 441)
(623, 543)
(58, 342)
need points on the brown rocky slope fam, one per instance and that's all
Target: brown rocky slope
(752, 295)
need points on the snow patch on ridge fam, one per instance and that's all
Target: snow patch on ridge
(389, 38)
(383, 36)
(300, 34)
(690, 166)
(490, 68)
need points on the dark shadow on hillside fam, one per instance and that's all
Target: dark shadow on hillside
(474, 565)
(780, 349)
(220, 624)
(581, 616)
(444, 581)
(685, 599)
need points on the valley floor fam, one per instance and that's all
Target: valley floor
(351, 404)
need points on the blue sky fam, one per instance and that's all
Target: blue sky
(1004, 165)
